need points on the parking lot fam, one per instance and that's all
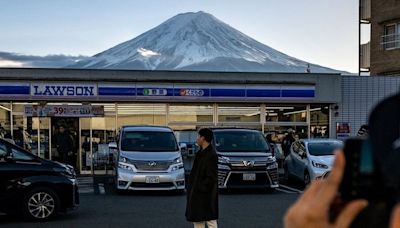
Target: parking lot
(102, 207)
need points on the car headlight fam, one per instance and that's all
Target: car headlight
(272, 166)
(125, 164)
(223, 160)
(66, 172)
(178, 160)
(177, 164)
(271, 159)
(319, 165)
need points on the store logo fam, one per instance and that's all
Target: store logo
(154, 92)
(192, 92)
(63, 90)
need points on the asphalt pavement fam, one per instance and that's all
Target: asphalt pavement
(102, 207)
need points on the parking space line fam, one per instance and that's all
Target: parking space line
(285, 191)
(291, 189)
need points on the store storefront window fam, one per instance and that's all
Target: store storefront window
(319, 121)
(141, 114)
(300, 132)
(5, 121)
(286, 113)
(185, 113)
(238, 114)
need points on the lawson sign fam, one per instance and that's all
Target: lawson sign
(63, 90)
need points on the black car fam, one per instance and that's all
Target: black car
(244, 159)
(34, 187)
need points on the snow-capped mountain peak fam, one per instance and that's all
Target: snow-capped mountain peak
(196, 41)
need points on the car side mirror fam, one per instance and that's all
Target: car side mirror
(303, 155)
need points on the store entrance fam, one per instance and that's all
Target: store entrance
(65, 139)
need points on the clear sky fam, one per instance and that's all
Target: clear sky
(324, 32)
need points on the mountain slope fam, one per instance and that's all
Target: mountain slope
(196, 41)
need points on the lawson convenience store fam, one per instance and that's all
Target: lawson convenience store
(93, 104)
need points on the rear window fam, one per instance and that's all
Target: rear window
(240, 141)
(324, 148)
(148, 141)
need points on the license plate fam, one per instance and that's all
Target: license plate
(249, 176)
(152, 180)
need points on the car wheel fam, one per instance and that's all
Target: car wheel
(307, 179)
(40, 204)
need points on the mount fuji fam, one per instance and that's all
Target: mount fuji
(196, 42)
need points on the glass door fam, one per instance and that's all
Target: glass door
(85, 148)
(95, 135)
(40, 137)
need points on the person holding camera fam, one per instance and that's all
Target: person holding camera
(312, 209)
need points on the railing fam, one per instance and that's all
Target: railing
(391, 41)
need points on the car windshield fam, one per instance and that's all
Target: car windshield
(324, 148)
(148, 141)
(240, 141)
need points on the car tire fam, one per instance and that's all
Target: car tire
(40, 204)
(307, 178)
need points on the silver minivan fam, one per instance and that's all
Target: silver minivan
(148, 158)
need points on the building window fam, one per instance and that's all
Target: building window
(239, 113)
(391, 37)
(319, 121)
(286, 113)
(188, 113)
(141, 114)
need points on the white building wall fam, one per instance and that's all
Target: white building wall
(359, 96)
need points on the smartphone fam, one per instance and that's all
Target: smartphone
(359, 174)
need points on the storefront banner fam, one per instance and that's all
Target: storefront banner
(342, 130)
(13, 88)
(298, 92)
(227, 92)
(64, 111)
(154, 92)
(117, 90)
(191, 92)
(63, 90)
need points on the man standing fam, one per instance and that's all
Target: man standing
(64, 144)
(287, 142)
(202, 195)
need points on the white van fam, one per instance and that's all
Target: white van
(148, 158)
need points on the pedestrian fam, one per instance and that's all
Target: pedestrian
(64, 144)
(272, 144)
(363, 131)
(287, 142)
(202, 195)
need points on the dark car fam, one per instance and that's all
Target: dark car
(34, 187)
(244, 159)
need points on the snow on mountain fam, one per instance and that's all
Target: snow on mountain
(196, 41)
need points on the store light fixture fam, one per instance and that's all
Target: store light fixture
(301, 111)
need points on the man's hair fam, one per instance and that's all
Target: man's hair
(207, 134)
